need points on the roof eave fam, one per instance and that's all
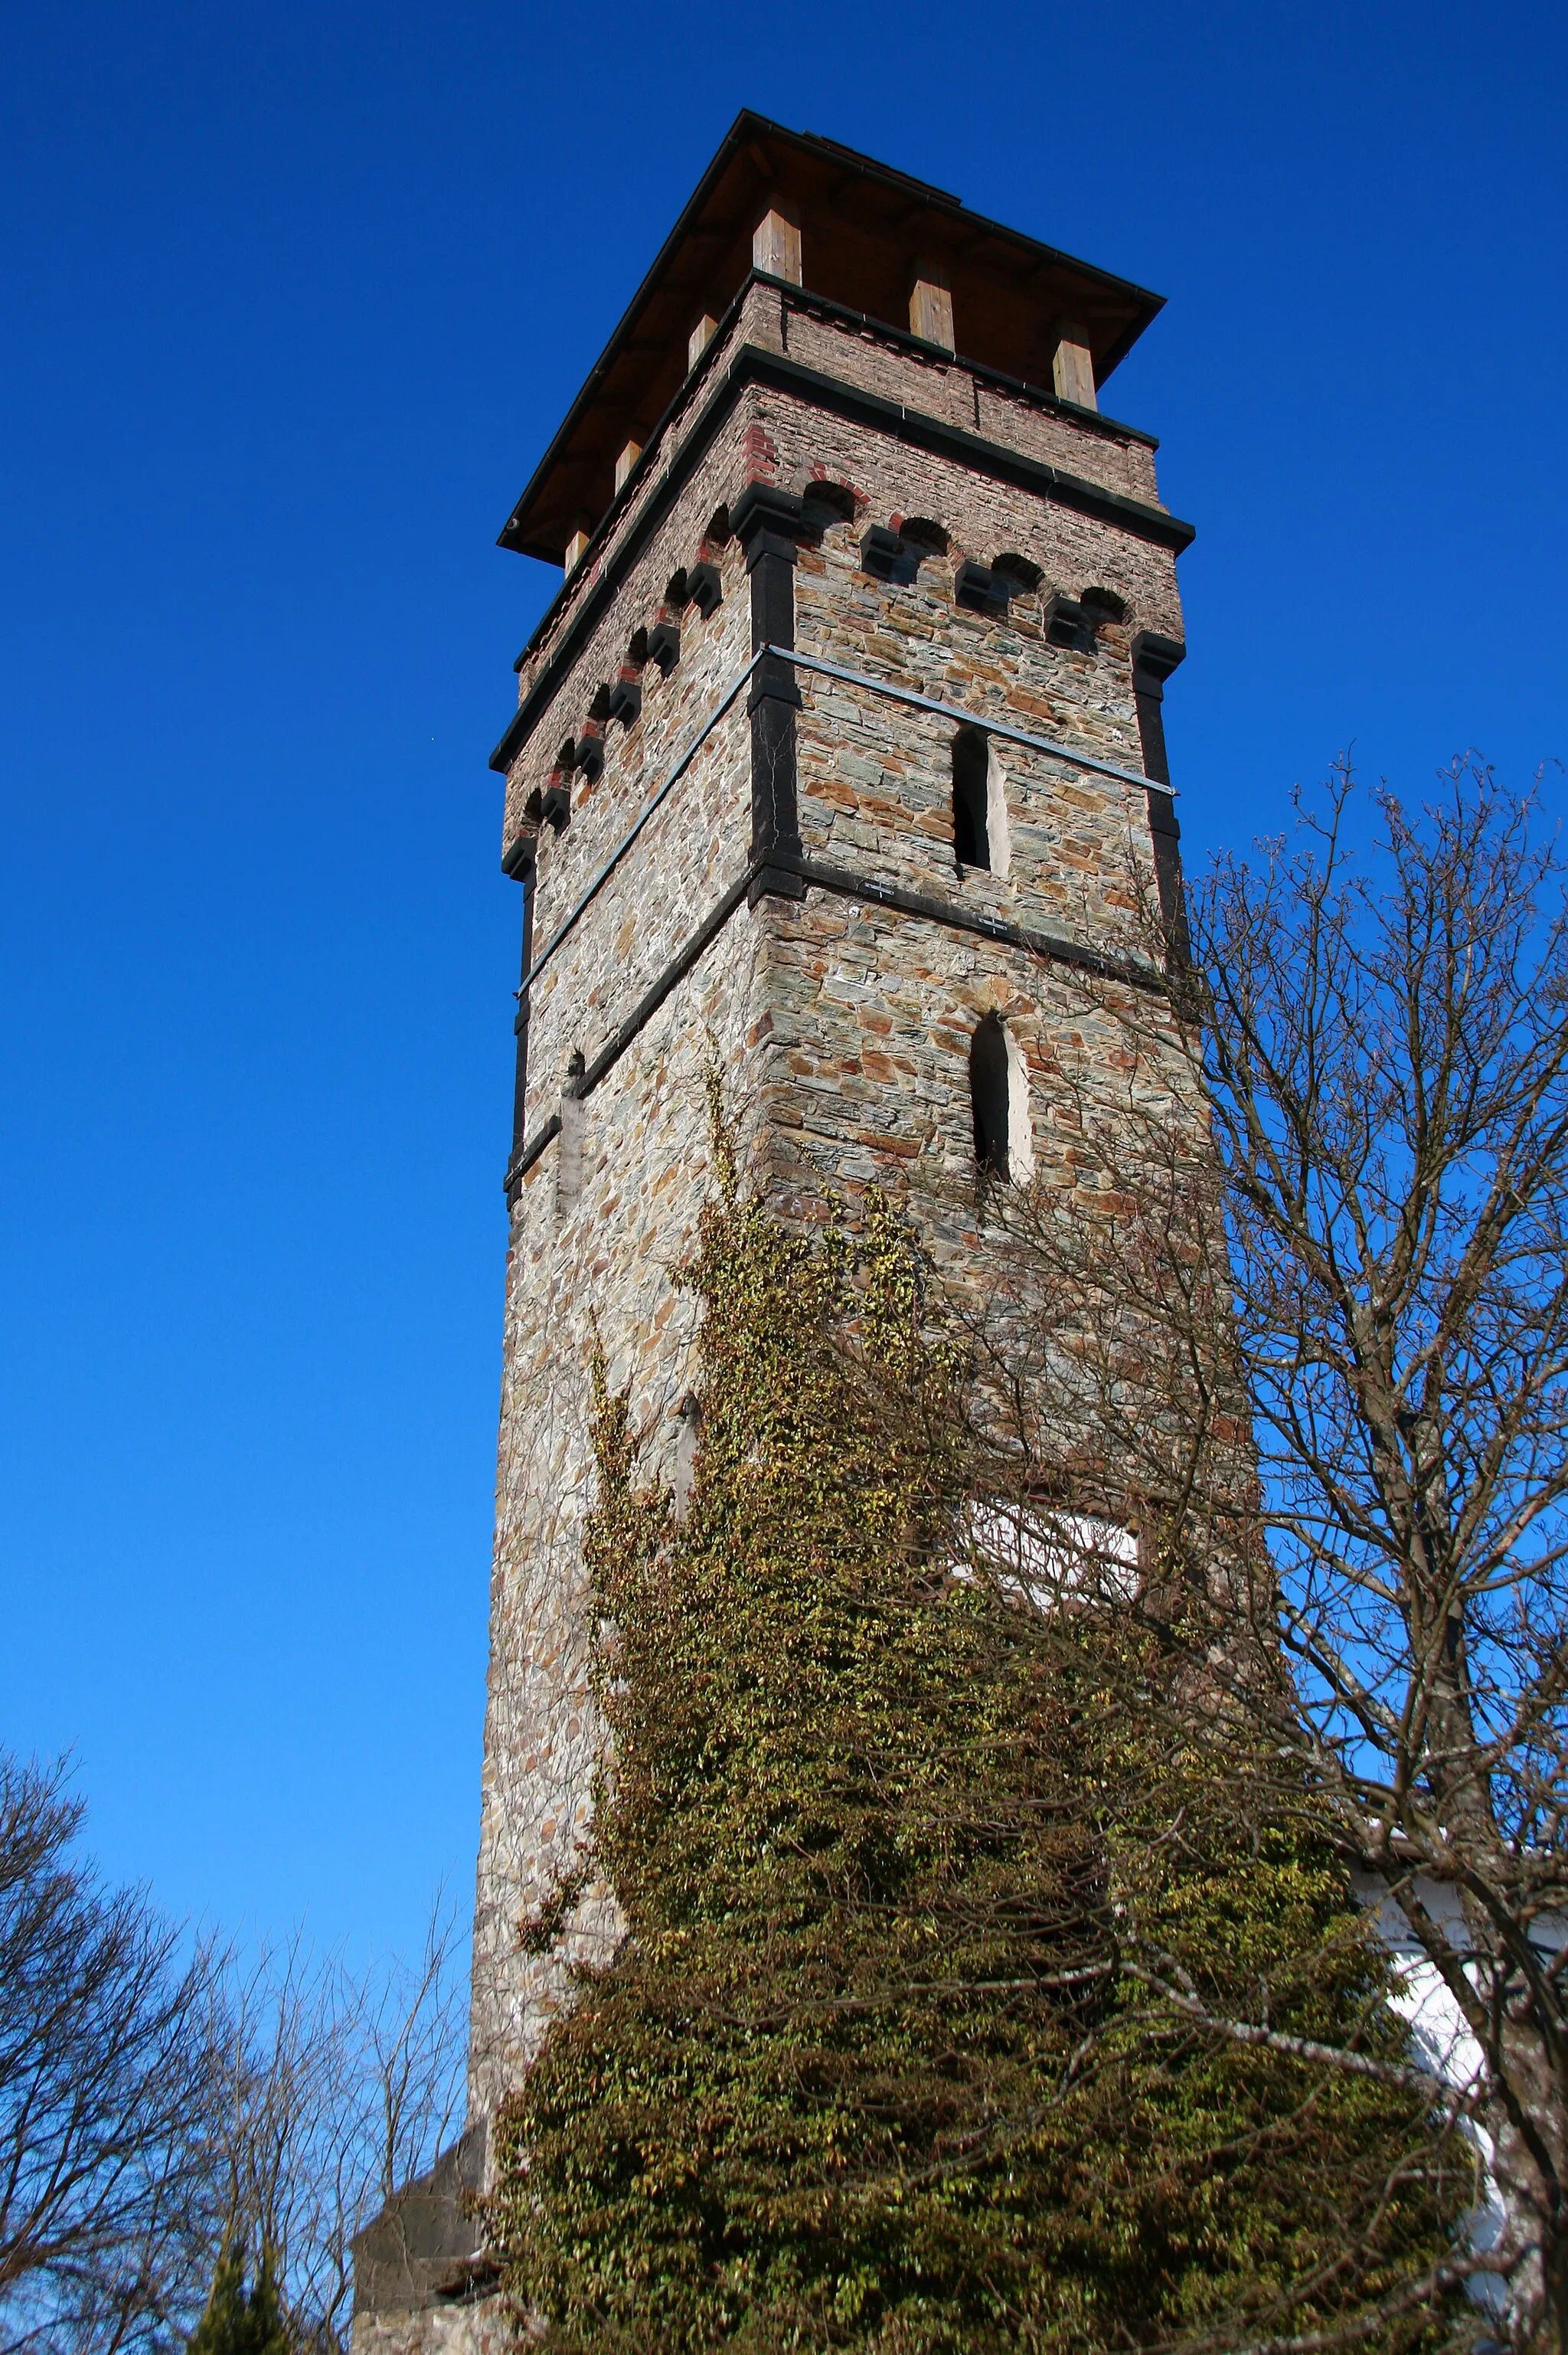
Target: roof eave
(744, 122)
(748, 124)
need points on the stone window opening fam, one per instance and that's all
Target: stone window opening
(569, 1157)
(972, 836)
(988, 1097)
(981, 835)
(999, 1097)
(1049, 1553)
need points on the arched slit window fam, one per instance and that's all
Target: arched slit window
(989, 1096)
(972, 830)
(999, 1095)
(981, 837)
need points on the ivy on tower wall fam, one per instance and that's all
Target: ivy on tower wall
(874, 2066)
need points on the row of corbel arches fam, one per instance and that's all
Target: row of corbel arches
(894, 553)
(891, 552)
(699, 585)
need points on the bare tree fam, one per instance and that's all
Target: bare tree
(1302, 1322)
(106, 2090)
(337, 2091)
(414, 2027)
(157, 2099)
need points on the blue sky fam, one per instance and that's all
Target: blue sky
(291, 299)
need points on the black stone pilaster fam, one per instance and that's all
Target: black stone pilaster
(768, 523)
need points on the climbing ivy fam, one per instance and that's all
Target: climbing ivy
(877, 2064)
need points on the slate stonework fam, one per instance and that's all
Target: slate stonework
(842, 1027)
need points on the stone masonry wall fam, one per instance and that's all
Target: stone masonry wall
(843, 1026)
(1111, 455)
(875, 1010)
(605, 1264)
(675, 543)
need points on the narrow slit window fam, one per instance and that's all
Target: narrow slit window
(569, 1150)
(989, 1094)
(999, 833)
(972, 830)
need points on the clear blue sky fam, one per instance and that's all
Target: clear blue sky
(291, 299)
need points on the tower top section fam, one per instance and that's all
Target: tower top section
(857, 235)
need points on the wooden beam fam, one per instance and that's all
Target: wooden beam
(1073, 368)
(625, 462)
(931, 306)
(776, 248)
(701, 337)
(574, 547)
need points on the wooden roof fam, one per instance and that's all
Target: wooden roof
(864, 228)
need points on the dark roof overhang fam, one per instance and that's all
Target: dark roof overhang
(863, 229)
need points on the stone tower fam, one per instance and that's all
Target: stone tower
(839, 748)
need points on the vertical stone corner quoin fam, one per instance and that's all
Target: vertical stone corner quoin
(838, 491)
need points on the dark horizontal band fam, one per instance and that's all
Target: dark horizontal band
(819, 876)
(641, 1014)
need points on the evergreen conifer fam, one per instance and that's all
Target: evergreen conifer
(234, 2323)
